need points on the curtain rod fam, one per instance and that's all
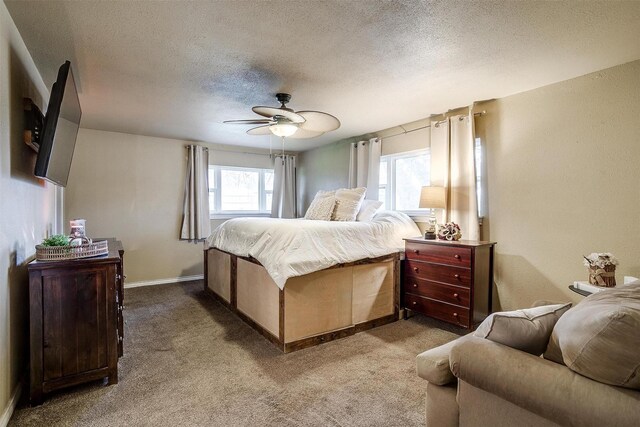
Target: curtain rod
(481, 113)
(233, 151)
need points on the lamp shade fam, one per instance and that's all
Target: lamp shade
(433, 198)
(283, 129)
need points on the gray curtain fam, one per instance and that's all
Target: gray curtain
(196, 224)
(364, 166)
(453, 167)
(284, 187)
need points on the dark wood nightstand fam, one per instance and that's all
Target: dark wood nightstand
(75, 317)
(450, 281)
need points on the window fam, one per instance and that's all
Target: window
(236, 191)
(479, 166)
(401, 178)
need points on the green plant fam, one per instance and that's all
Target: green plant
(56, 240)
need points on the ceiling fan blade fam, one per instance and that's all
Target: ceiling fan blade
(260, 130)
(305, 134)
(272, 112)
(249, 122)
(318, 121)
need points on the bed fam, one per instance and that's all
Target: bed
(303, 282)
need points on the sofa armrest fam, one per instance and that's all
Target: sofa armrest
(433, 365)
(543, 387)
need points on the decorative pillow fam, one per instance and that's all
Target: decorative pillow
(348, 203)
(321, 208)
(527, 330)
(600, 337)
(320, 194)
(368, 210)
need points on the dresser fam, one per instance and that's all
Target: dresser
(76, 326)
(449, 281)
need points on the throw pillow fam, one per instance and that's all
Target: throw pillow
(599, 338)
(321, 208)
(368, 210)
(526, 330)
(348, 203)
(322, 193)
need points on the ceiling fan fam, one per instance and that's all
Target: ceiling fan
(284, 122)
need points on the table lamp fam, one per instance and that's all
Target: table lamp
(432, 198)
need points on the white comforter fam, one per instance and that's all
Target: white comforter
(295, 247)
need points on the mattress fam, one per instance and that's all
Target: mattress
(295, 247)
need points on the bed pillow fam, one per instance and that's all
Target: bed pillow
(526, 330)
(321, 208)
(599, 337)
(348, 201)
(368, 210)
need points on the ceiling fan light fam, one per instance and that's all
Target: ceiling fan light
(283, 129)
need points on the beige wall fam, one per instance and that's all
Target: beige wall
(324, 168)
(563, 181)
(132, 187)
(27, 206)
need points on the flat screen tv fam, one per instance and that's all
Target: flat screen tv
(59, 129)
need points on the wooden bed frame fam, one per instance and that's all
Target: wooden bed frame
(318, 307)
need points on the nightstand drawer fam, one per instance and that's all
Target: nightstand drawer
(438, 272)
(445, 293)
(450, 255)
(439, 310)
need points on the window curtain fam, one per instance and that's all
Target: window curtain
(284, 187)
(453, 167)
(364, 166)
(196, 224)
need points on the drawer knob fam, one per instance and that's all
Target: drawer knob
(457, 276)
(415, 285)
(415, 269)
(455, 314)
(416, 251)
(414, 303)
(455, 295)
(456, 256)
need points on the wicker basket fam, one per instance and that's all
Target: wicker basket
(605, 277)
(60, 253)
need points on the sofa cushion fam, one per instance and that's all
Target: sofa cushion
(600, 337)
(541, 387)
(527, 330)
(433, 365)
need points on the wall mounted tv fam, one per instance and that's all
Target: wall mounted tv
(56, 139)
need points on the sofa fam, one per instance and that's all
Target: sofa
(474, 381)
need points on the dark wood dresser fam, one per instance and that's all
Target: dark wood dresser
(450, 281)
(76, 325)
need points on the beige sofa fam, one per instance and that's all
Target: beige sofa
(476, 382)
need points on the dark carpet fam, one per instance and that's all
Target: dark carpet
(189, 361)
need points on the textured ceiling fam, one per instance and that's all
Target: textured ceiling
(178, 69)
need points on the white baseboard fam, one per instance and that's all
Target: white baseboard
(11, 406)
(163, 282)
